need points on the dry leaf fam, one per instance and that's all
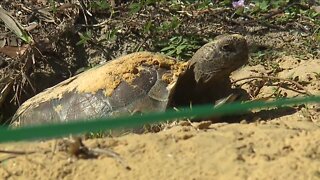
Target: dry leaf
(12, 51)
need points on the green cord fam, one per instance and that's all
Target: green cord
(102, 124)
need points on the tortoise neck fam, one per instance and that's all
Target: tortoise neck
(184, 90)
(189, 91)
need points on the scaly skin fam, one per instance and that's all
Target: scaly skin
(207, 76)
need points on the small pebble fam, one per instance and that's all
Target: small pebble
(184, 123)
(243, 121)
(263, 122)
(203, 125)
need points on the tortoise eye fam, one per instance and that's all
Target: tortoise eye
(228, 48)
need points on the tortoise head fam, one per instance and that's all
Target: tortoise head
(217, 59)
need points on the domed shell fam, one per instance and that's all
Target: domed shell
(138, 82)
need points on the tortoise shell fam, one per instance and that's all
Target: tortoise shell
(138, 82)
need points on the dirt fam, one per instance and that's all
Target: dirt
(279, 143)
(271, 145)
(278, 149)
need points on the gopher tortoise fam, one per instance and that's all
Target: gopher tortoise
(139, 82)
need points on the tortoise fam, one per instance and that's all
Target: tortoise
(139, 82)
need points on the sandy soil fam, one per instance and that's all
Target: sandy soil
(274, 145)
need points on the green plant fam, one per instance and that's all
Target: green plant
(204, 4)
(261, 6)
(179, 46)
(263, 56)
(317, 36)
(147, 27)
(137, 6)
(53, 6)
(85, 37)
(225, 3)
(100, 5)
(170, 25)
(111, 35)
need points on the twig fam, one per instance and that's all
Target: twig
(84, 11)
(16, 152)
(29, 81)
(275, 78)
(112, 154)
(78, 149)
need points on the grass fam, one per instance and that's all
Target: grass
(165, 33)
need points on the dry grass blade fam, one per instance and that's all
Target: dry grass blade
(14, 26)
(5, 87)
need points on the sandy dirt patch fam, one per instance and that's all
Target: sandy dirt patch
(273, 145)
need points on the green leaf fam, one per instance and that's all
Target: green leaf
(100, 4)
(14, 26)
(170, 52)
(166, 48)
(181, 48)
(240, 11)
(175, 23)
(147, 27)
(264, 5)
(135, 7)
(84, 38)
